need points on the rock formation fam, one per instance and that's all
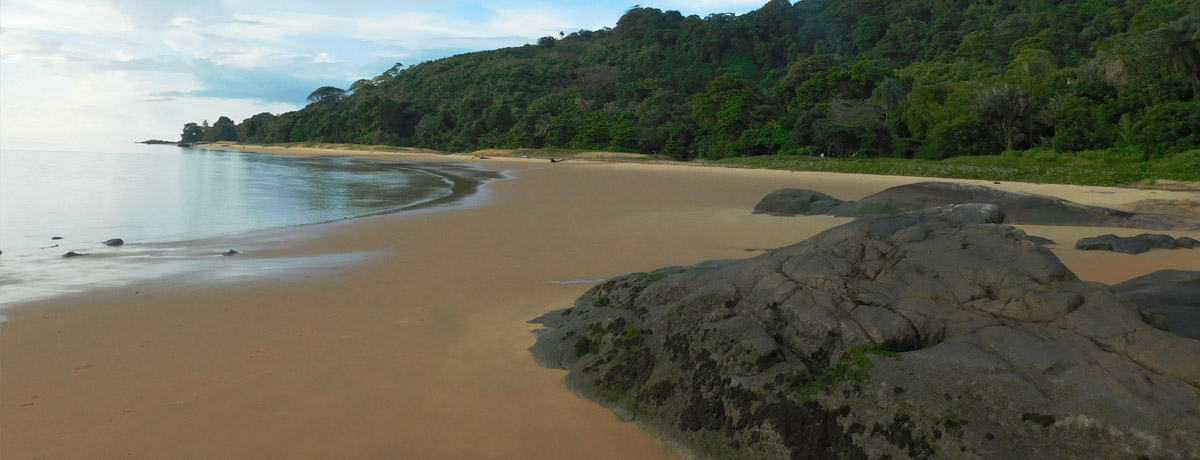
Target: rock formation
(1172, 294)
(793, 201)
(929, 334)
(1019, 208)
(1134, 244)
(114, 242)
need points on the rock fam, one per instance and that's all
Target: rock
(1021, 208)
(793, 201)
(1134, 244)
(1040, 241)
(56, 238)
(1173, 294)
(230, 253)
(930, 334)
(71, 254)
(114, 242)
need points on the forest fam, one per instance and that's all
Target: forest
(926, 79)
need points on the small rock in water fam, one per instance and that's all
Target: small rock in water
(114, 242)
(230, 253)
(72, 254)
(56, 238)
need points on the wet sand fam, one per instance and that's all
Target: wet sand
(420, 351)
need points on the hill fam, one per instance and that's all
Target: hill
(915, 79)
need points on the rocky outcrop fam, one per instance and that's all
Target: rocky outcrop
(71, 254)
(1172, 294)
(114, 242)
(794, 201)
(1019, 208)
(1134, 244)
(929, 334)
(230, 252)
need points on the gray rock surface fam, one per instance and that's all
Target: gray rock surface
(793, 201)
(114, 242)
(1172, 294)
(929, 334)
(1134, 244)
(1020, 208)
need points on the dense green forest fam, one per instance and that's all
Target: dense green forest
(903, 78)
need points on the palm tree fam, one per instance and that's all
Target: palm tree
(1181, 40)
(1007, 110)
(888, 96)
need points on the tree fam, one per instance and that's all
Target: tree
(1007, 109)
(192, 133)
(888, 96)
(223, 130)
(326, 94)
(1181, 43)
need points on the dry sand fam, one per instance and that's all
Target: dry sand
(420, 352)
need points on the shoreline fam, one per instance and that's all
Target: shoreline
(420, 351)
(41, 275)
(623, 157)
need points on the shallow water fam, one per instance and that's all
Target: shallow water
(157, 197)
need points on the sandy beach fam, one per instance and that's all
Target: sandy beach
(420, 352)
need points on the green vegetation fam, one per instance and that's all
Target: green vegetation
(1091, 91)
(1042, 164)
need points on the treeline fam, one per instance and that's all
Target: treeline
(908, 78)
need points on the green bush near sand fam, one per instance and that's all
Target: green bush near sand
(1118, 166)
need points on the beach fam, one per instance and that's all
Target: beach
(419, 351)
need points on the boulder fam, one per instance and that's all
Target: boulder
(793, 201)
(1172, 294)
(931, 334)
(114, 242)
(1021, 208)
(56, 238)
(1134, 244)
(230, 252)
(71, 254)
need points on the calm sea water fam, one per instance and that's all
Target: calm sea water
(156, 197)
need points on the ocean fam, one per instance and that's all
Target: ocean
(162, 200)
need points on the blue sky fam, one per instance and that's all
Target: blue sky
(115, 71)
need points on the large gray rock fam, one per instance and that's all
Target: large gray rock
(1020, 208)
(1134, 244)
(793, 201)
(930, 334)
(1172, 294)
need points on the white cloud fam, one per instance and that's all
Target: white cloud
(130, 69)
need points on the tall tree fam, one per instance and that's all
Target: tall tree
(1181, 40)
(192, 133)
(1007, 110)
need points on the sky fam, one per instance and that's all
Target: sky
(81, 72)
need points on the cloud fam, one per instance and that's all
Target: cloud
(262, 84)
(103, 66)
